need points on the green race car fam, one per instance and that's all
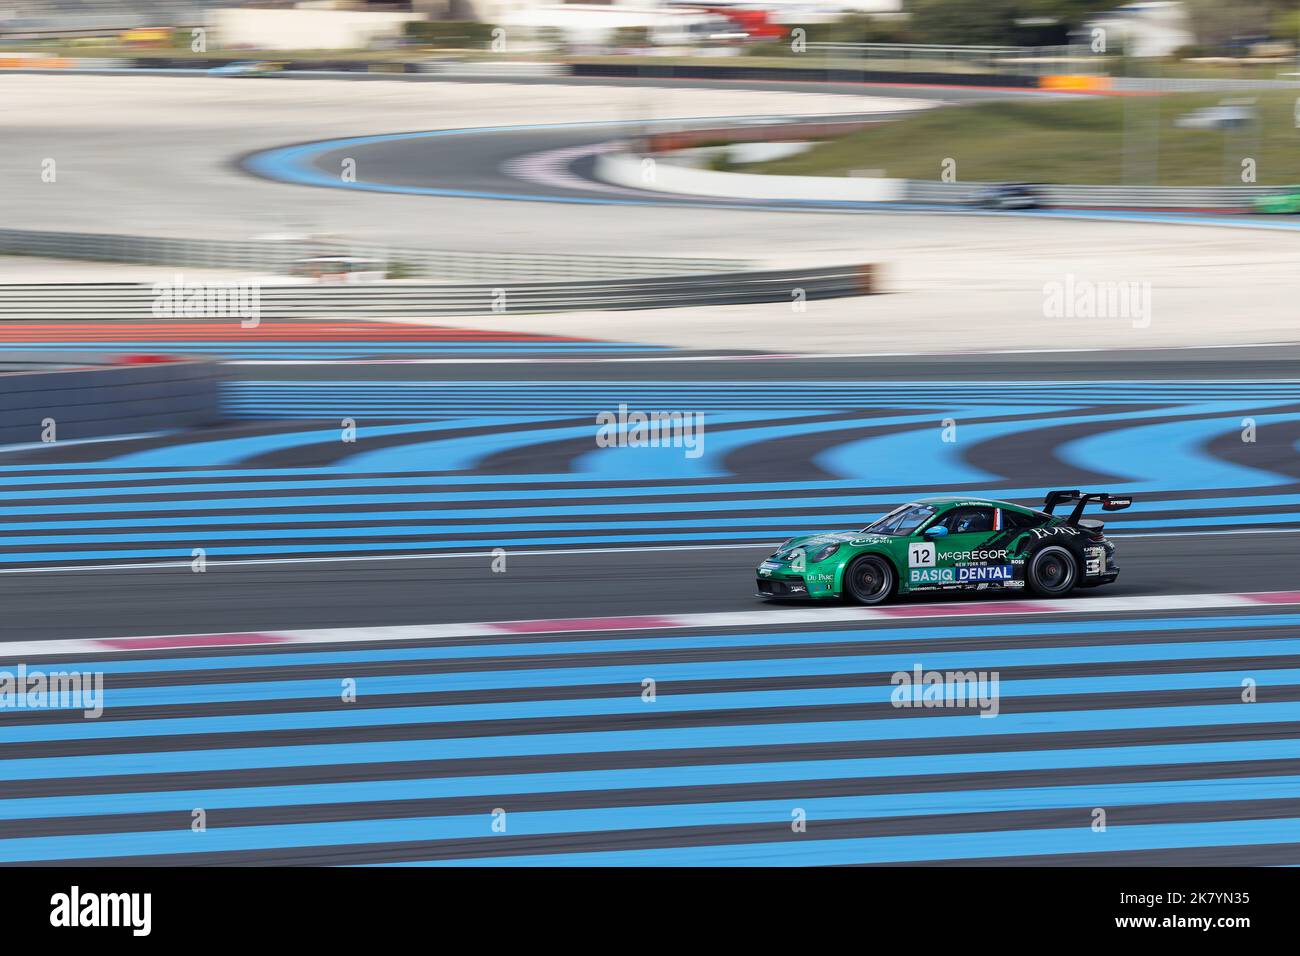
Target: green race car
(950, 542)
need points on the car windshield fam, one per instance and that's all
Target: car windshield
(902, 520)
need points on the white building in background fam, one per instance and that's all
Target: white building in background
(668, 22)
(1150, 28)
(495, 11)
(324, 24)
(306, 27)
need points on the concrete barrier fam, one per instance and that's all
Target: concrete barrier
(630, 170)
(135, 302)
(49, 397)
(635, 172)
(795, 74)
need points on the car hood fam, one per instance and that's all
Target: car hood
(811, 542)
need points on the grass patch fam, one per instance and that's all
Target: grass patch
(1067, 141)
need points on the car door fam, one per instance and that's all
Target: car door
(973, 551)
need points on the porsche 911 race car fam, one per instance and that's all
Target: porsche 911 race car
(951, 542)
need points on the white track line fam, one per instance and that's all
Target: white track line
(488, 552)
(644, 622)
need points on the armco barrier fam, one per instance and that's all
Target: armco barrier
(95, 401)
(135, 302)
(626, 169)
(276, 256)
(810, 74)
(1221, 198)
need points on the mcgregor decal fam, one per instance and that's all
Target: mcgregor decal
(977, 555)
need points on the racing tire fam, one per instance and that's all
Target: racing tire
(1052, 571)
(869, 580)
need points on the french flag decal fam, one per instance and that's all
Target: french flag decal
(997, 519)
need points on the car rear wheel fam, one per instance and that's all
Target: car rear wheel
(869, 580)
(1052, 572)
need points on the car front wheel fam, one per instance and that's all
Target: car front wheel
(869, 580)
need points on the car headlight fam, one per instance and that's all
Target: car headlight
(824, 552)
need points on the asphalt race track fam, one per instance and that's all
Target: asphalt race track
(401, 608)
(757, 719)
(300, 527)
(706, 745)
(548, 162)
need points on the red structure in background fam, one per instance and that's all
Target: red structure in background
(755, 22)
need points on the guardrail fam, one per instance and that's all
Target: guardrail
(1180, 84)
(626, 169)
(1018, 60)
(1026, 67)
(136, 302)
(276, 256)
(811, 73)
(1223, 198)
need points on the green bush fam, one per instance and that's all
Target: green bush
(463, 34)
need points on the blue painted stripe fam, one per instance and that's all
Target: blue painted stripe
(1165, 449)
(468, 451)
(367, 547)
(915, 849)
(649, 462)
(876, 692)
(225, 451)
(586, 781)
(614, 819)
(1171, 455)
(627, 741)
(871, 505)
(633, 674)
(245, 527)
(443, 544)
(748, 505)
(322, 478)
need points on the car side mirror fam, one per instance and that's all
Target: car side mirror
(936, 531)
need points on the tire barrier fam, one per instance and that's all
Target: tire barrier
(135, 302)
(49, 399)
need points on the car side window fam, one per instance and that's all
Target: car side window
(1016, 521)
(967, 520)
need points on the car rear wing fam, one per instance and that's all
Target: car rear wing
(1108, 501)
